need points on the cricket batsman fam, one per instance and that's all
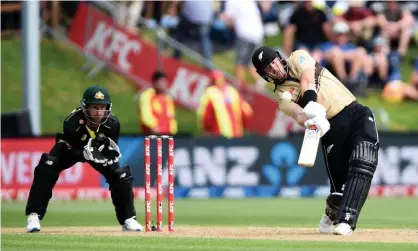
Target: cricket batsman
(349, 137)
(90, 135)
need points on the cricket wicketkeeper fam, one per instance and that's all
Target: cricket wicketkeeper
(90, 135)
(350, 139)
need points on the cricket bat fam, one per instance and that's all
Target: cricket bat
(309, 148)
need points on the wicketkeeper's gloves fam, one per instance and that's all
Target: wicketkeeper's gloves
(103, 151)
(91, 153)
(110, 150)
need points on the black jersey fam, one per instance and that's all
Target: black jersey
(77, 134)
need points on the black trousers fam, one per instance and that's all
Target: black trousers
(60, 158)
(354, 124)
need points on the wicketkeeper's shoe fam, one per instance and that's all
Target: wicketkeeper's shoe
(33, 224)
(343, 229)
(131, 225)
(326, 225)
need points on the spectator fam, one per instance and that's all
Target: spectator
(396, 90)
(129, 14)
(194, 17)
(222, 111)
(307, 29)
(153, 13)
(342, 54)
(395, 24)
(270, 17)
(414, 77)
(360, 19)
(269, 11)
(249, 30)
(378, 61)
(156, 108)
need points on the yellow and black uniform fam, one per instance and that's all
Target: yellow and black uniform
(77, 133)
(68, 150)
(157, 113)
(222, 111)
(351, 145)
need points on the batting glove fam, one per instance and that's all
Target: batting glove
(320, 123)
(314, 109)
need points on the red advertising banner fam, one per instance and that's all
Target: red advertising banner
(97, 34)
(84, 193)
(19, 158)
(394, 191)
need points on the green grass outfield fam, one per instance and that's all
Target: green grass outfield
(221, 224)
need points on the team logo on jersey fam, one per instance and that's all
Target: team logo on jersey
(84, 137)
(301, 59)
(99, 95)
(81, 121)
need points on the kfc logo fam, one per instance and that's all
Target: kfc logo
(107, 41)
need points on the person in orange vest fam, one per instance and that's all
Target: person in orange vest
(222, 111)
(156, 108)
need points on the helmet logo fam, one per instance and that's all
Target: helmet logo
(99, 95)
(260, 56)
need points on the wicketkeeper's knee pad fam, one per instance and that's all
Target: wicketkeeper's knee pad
(119, 176)
(46, 171)
(363, 163)
(49, 162)
(120, 186)
(46, 175)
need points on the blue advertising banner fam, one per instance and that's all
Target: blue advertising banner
(207, 167)
(261, 166)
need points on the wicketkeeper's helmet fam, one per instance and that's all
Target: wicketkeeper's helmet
(96, 94)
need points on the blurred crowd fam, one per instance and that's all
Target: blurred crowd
(364, 43)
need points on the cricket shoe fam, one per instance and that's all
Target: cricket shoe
(326, 225)
(343, 229)
(131, 225)
(33, 224)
